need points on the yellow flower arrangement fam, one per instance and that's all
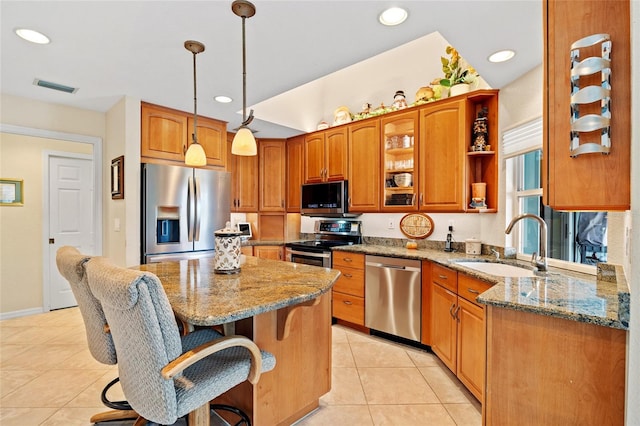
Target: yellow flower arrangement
(456, 70)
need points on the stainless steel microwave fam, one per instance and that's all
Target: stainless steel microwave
(326, 199)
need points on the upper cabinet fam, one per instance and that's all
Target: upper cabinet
(166, 135)
(364, 166)
(295, 172)
(325, 155)
(244, 181)
(587, 101)
(272, 167)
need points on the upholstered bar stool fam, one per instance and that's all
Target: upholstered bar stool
(165, 376)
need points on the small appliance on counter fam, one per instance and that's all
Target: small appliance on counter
(227, 257)
(473, 246)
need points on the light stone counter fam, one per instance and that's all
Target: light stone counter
(601, 300)
(199, 296)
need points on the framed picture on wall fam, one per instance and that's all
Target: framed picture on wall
(117, 178)
(11, 192)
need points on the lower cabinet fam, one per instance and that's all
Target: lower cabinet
(348, 291)
(458, 335)
(268, 252)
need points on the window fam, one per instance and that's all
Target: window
(577, 237)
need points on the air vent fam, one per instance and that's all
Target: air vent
(55, 86)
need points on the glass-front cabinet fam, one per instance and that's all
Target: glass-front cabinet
(400, 146)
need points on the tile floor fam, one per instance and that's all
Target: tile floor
(48, 377)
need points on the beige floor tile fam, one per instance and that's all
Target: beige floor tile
(13, 380)
(396, 386)
(403, 415)
(52, 389)
(83, 360)
(422, 358)
(446, 386)
(8, 352)
(341, 355)
(378, 354)
(70, 417)
(465, 414)
(90, 397)
(24, 416)
(73, 335)
(338, 335)
(35, 335)
(43, 357)
(352, 415)
(346, 388)
(354, 336)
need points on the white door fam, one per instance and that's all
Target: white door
(71, 216)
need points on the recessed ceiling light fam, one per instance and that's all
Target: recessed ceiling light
(502, 55)
(222, 99)
(32, 36)
(393, 16)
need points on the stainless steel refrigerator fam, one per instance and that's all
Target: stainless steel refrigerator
(182, 207)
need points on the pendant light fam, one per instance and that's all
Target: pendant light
(244, 143)
(195, 155)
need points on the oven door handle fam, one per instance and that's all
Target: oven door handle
(310, 254)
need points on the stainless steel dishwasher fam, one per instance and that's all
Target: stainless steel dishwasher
(392, 302)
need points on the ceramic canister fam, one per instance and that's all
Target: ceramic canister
(227, 257)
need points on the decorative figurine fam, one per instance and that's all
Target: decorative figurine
(399, 100)
(478, 195)
(341, 116)
(480, 131)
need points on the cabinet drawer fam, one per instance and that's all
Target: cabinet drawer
(471, 288)
(445, 277)
(351, 281)
(348, 308)
(349, 260)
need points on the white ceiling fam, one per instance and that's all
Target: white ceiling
(305, 58)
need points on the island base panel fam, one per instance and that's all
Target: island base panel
(543, 370)
(303, 365)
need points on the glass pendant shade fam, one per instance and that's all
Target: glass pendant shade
(244, 143)
(195, 156)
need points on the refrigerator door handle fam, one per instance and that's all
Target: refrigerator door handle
(198, 205)
(190, 209)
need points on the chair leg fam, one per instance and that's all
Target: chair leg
(108, 416)
(201, 416)
(244, 419)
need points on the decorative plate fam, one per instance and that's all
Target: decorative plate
(416, 225)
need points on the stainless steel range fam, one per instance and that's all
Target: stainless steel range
(328, 234)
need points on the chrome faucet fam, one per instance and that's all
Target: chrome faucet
(538, 261)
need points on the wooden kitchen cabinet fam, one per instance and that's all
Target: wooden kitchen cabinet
(272, 173)
(212, 135)
(244, 180)
(295, 172)
(268, 252)
(325, 155)
(399, 158)
(167, 133)
(442, 150)
(364, 171)
(163, 133)
(591, 181)
(458, 334)
(348, 291)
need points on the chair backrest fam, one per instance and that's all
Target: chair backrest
(145, 334)
(71, 265)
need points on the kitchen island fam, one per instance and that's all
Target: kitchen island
(285, 308)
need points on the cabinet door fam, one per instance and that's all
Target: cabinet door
(442, 151)
(212, 135)
(271, 154)
(244, 181)
(364, 167)
(314, 157)
(471, 347)
(336, 153)
(163, 133)
(443, 325)
(399, 155)
(268, 252)
(589, 181)
(295, 172)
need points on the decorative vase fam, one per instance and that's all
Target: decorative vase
(459, 89)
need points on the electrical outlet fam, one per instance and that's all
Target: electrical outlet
(390, 225)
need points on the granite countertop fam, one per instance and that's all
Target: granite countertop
(199, 296)
(253, 242)
(601, 300)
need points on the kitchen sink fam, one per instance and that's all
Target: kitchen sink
(498, 269)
